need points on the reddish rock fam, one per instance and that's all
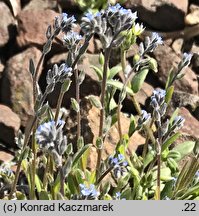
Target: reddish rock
(167, 59)
(40, 4)
(32, 25)
(6, 24)
(165, 15)
(17, 83)
(191, 125)
(9, 125)
(1, 69)
(5, 157)
(90, 130)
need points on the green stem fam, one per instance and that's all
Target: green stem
(46, 172)
(26, 141)
(62, 180)
(102, 111)
(35, 77)
(32, 194)
(59, 102)
(147, 140)
(104, 175)
(78, 101)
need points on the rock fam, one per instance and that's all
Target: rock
(15, 6)
(5, 157)
(192, 18)
(166, 15)
(67, 4)
(90, 130)
(191, 125)
(144, 93)
(9, 125)
(1, 69)
(40, 4)
(32, 25)
(189, 101)
(6, 24)
(16, 85)
(177, 46)
(167, 59)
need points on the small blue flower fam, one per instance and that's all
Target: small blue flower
(67, 22)
(155, 38)
(186, 59)
(88, 192)
(118, 196)
(144, 118)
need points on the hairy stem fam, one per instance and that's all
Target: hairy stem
(13, 188)
(35, 77)
(102, 111)
(62, 180)
(46, 172)
(59, 102)
(104, 175)
(32, 194)
(78, 101)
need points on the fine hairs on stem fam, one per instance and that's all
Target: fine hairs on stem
(102, 100)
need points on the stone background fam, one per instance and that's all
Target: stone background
(23, 25)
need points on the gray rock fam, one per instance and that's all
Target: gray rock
(16, 88)
(167, 59)
(165, 15)
(9, 125)
(6, 24)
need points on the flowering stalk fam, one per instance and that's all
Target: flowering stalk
(102, 111)
(26, 141)
(77, 85)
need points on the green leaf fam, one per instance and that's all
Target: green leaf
(170, 141)
(170, 78)
(80, 153)
(132, 126)
(101, 59)
(168, 189)
(66, 85)
(184, 149)
(138, 80)
(94, 100)
(149, 158)
(38, 183)
(169, 94)
(43, 195)
(175, 113)
(32, 67)
(114, 70)
(194, 191)
(72, 184)
(119, 85)
(75, 105)
(98, 71)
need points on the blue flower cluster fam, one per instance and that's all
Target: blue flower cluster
(108, 24)
(50, 138)
(120, 166)
(89, 193)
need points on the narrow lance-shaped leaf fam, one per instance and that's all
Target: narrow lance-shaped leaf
(114, 71)
(32, 67)
(138, 80)
(95, 101)
(119, 85)
(80, 153)
(98, 71)
(75, 105)
(170, 141)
